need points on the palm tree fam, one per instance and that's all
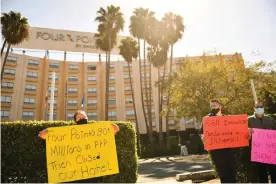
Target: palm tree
(15, 29)
(173, 24)
(111, 21)
(157, 56)
(129, 50)
(140, 23)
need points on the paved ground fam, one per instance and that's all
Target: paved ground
(164, 169)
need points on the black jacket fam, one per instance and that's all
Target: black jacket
(266, 122)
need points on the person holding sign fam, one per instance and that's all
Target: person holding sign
(80, 118)
(223, 159)
(261, 121)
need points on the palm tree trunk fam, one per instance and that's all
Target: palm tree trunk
(107, 76)
(168, 101)
(161, 137)
(141, 87)
(147, 99)
(134, 107)
(4, 63)
(160, 110)
(150, 95)
(4, 44)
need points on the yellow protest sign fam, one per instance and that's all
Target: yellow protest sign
(81, 151)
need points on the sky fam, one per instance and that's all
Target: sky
(225, 26)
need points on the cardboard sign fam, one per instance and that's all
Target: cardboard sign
(80, 152)
(264, 146)
(225, 131)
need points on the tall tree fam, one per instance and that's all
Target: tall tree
(111, 21)
(173, 24)
(157, 55)
(129, 51)
(140, 23)
(15, 29)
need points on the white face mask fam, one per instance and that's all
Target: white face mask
(259, 110)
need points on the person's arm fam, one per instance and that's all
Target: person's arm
(115, 127)
(273, 123)
(42, 134)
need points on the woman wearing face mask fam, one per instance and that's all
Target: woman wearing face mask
(80, 118)
(223, 159)
(261, 121)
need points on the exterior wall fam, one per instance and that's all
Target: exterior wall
(64, 71)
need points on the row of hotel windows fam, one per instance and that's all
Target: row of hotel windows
(70, 78)
(29, 87)
(26, 114)
(7, 99)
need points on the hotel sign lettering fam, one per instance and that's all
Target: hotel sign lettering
(63, 40)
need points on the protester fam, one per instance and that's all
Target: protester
(261, 121)
(223, 159)
(80, 118)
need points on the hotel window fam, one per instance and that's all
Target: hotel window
(70, 116)
(111, 114)
(153, 123)
(73, 67)
(27, 114)
(32, 74)
(130, 113)
(111, 89)
(112, 101)
(111, 65)
(126, 65)
(29, 87)
(49, 89)
(72, 90)
(92, 102)
(171, 122)
(165, 97)
(55, 102)
(54, 116)
(9, 71)
(5, 114)
(152, 111)
(6, 99)
(126, 76)
(92, 115)
(91, 78)
(29, 101)
(73, 78)
(92, 90)
(53, 65)
(8, 85)
(72, 102)
(90, 67)
(112, 77)
(129, 101)
(128, 88)
(50, 76)
(12, 59)
(33, 62)
(147, 75)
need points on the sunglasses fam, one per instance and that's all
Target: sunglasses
(259, 107)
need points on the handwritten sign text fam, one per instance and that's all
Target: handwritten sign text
(80, 152)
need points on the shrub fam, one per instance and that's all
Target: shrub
(24, 158)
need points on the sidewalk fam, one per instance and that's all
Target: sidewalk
(164, 169)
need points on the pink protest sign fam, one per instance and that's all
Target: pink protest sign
(264, 146)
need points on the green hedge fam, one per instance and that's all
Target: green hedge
(24, 158)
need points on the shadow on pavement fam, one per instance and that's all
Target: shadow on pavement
(159, 170)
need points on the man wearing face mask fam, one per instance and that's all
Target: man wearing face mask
(261, 121)
(223, 159)
(80, 118)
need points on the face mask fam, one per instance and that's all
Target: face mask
(215, 111)
(82, 121)
(259, 110)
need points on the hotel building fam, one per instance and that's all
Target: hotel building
(27, 83)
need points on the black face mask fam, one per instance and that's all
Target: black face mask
(215, 111)
(82, 121)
